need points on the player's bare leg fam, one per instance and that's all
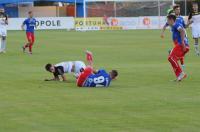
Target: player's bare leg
(182, 63)
(25, 46)
(30, 48)
(196, 46)
(89, 58)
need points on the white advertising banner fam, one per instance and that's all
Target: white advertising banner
(44, 23)
(93, 23)
(124, 22)
(120, 23)
(153, 22)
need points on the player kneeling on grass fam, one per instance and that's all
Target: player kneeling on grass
(65, 67)
(181, 46)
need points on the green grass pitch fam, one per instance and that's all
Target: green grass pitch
(142, 99)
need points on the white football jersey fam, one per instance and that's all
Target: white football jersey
(196, 19)
(68, 65)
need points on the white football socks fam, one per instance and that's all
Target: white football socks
(3, 45)
(196, 47)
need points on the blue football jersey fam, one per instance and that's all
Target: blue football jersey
(30, 24)
(181, 21)
(100, 79)
(176, 35)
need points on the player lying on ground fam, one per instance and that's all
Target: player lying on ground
(179, 19)
(30, 24)
(64, 67)
(181, 46)
(194, 19)
(91, 78)
(3, 30)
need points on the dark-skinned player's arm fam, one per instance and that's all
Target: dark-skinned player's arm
(189, 22)
(182, 32)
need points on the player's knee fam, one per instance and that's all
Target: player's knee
(169, 58)
(30, 40)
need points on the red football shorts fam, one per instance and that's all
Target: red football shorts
(30, 37)
(83, 76)
(178, 51)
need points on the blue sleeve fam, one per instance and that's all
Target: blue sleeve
(181, 21)
(178, 26)
(166, 24)
(25, 21)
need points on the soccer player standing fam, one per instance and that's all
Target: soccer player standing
(181, 46)
(194, 19)
(177, 11)
(30, 24)
(3, 30)
(179, 19)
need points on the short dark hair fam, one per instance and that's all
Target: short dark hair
(114, 73)
(30, 12)
(176, 6)
(48, 66)
(171, 16)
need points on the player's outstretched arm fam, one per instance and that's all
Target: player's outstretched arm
(22, 26)
(163, 31)
(189, 22)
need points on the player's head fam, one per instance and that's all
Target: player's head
(170, 11)
(177, 9)
(30, 14)
(113, 74)
(195, 6)
(50, 68)
(171, 19)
